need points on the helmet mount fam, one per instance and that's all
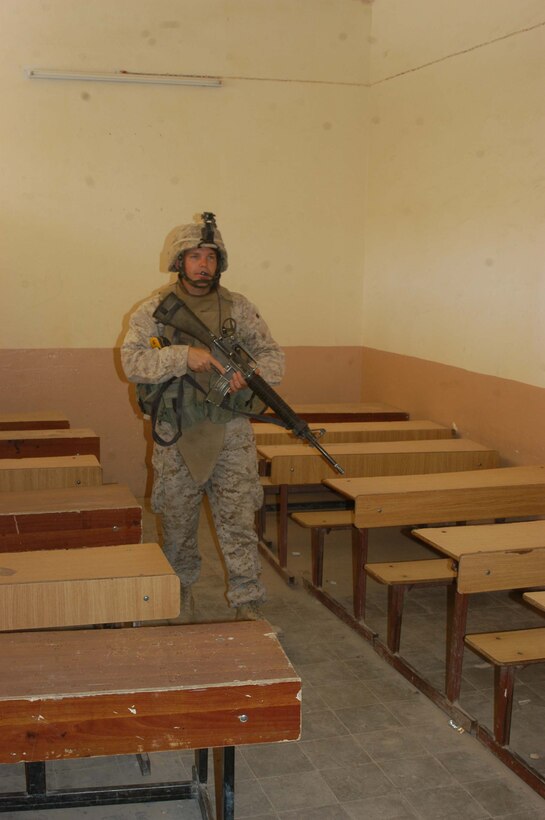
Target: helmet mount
(208, 227)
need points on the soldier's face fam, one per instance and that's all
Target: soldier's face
(200, 266)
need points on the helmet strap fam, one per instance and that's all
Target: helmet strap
(180, 267)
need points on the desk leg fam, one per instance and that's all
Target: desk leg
(282, 524)
(504, 681)
(360, 546)
(457, 605)
(261, 519)
(396, 595)
(35, 778)
(218, 782)
(144, 763)
(279, 562)
(201, 764)
(317, 535)
(224, 778)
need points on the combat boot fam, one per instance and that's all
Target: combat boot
(249, 612)
(252, 612)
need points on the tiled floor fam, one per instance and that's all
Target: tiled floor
(372, 746)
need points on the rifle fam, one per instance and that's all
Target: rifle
(234, 358)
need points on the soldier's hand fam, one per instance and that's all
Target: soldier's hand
(237, 383)
(202, 361)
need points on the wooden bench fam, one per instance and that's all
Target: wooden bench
(507, 651)
(320, 525)
(399, 576)
(37, 420)
(394, 575)
(92, 585)
(536, 599)
(45, 443)
(84, 693)
(489, 558)
(339, 432)
(18, 474)
(72, 517)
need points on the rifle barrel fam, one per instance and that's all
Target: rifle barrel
(328, 457)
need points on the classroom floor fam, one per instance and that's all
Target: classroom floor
(372, 746)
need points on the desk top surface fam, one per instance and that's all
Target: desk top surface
(291, 451)
(262, 429)
(78, 663)
(346, 407)
(48, 463)
(68, 433)
(537, 599)
(458, 541)
(10, 421)
(119, 561)
(69, 499)
(381, 485)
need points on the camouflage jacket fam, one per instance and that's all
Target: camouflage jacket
(142, 363)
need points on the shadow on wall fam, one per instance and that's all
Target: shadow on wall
(146, 423)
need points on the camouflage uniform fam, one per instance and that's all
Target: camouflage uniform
(233, 487)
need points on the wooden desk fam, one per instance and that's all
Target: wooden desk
(415, 500)
(42, 420)
(397, 501)
(93, 585)
(337, 432)
(349, 411)
(536, 599)
(130, 691)
(489, 558)
(69, 517)
(18, 474)
(291, 465)
(44, 443)
(301, 464)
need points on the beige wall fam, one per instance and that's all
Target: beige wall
(455, 247)
(95, 174)
(409, 34)
(501, 413)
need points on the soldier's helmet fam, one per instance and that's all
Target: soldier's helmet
(201, 233)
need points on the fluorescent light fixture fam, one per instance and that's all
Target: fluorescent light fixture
(122, 77)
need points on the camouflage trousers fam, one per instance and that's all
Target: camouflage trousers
(234, 494)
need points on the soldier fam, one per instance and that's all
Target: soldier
(215, 453)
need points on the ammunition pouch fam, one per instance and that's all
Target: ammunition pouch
(181, 402)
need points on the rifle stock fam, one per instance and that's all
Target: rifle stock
(173, 311)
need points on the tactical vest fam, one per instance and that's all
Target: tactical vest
(181, 401)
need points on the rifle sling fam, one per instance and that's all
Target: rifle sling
(178, 428)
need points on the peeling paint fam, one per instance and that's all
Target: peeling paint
(190, 687)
